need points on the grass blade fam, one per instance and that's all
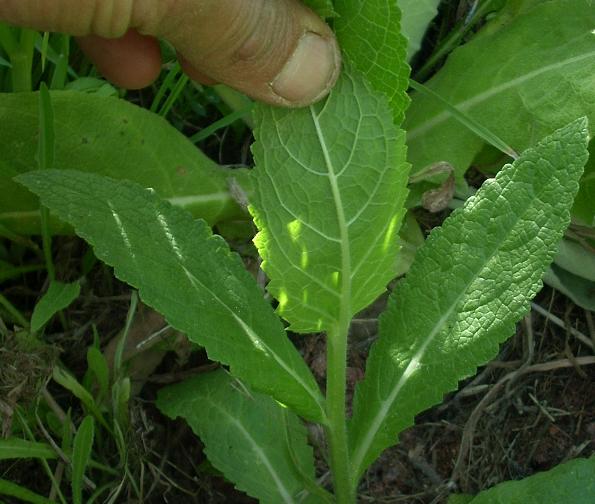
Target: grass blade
(81, 453)
(11, 489)
(14, 448)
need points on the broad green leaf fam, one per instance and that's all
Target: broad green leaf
(330, 189)
(576, 259)
(324, 8)
(577, 288)
(249, 437)
(23, 494)
(14, 448)
(469, 284)
(369, 34)
(81, 453)
(110, 137)
(58, 296)
(186, 273)
(417, 15)
(521, 82)
(571, 482)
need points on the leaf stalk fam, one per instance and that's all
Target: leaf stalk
(337, 427)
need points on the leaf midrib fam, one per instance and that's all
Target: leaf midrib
(253, 336)
(438, 119)
(345, 296)
(287, 497)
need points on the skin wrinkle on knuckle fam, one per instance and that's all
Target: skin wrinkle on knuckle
(251, 47)
(246, 41)
(148, 16)
(106, 18)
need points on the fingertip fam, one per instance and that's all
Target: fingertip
(310, 72)
(277, 52)
(131, 62)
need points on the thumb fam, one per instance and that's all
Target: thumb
(277, 51)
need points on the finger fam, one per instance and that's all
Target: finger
(275, 51)
(132, 61)
(106, 18)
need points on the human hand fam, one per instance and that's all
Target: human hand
(276, 51)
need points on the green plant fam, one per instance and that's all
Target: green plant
(330, 193)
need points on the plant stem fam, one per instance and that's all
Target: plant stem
(337, 427)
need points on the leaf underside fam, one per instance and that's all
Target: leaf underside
(417, 15)
(247, 436)
(330, 189)
(370, 36)
(468, 286)
(186, 273)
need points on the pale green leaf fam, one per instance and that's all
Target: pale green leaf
(23, 494)
(469, 284)
(417, 15)
(369, 34)
(521, 82)
(576, 259)
(14, 448)
(331, 185)
(81, 454)
(58, 296)
(579, 290)
(251, 439)
(569, 483)
(110, 137)
(186, 273)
